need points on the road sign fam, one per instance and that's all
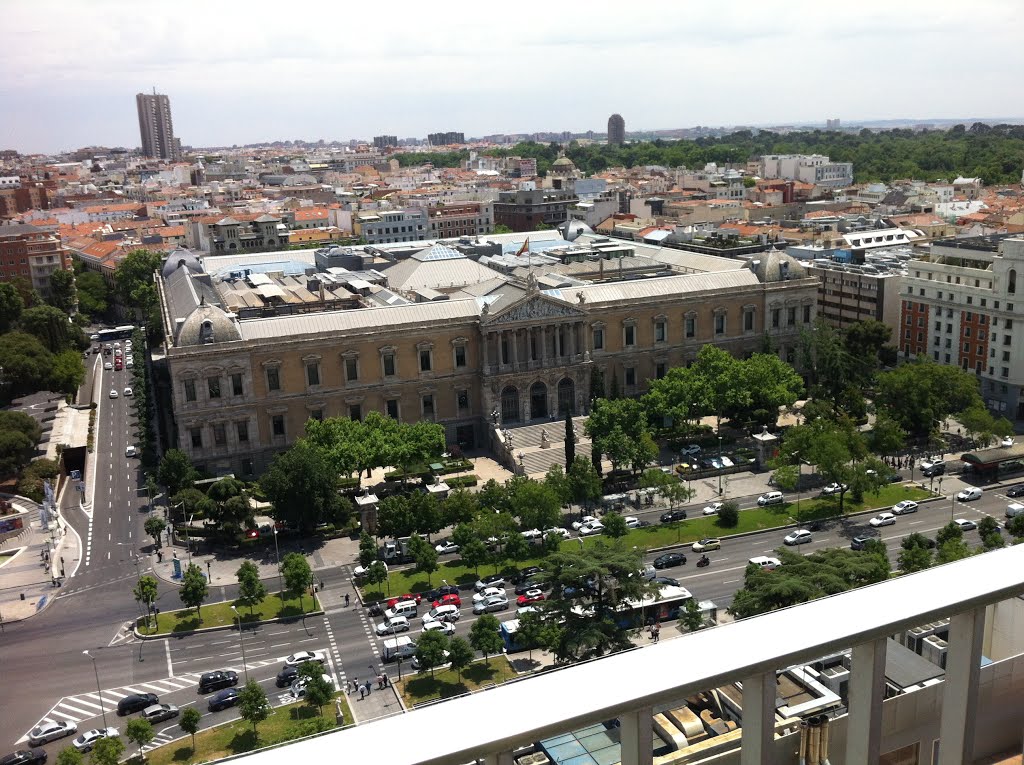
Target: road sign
(80, 486)
(76, 475)
(177, 569)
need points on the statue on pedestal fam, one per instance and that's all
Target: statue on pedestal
(544, 443)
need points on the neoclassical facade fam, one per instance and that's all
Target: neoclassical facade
(243, 389)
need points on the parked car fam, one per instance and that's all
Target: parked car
(487, 592)
(160, 712)
(765, 562)
(690, 450)
(432, 596)
(451, 599)
(531, 584)
(24, 757)
(712, 509)
(904, 507)
(798, 537)
(531, 596)
(526, 573)
(833, 488)
(493, 580)
(883, 519)
(87, 740)
(563, 533)
(135, 702)
(968, 494)
(223, 699)
(445, 547)
(671, 516)
(493, 603)
(669, 560)
(857, 543)
(50, 730)
(444, 627)
(1008, 441)
(1016, 491)
(771, 498)
(707, 545)
(214, 681)
(286, 677)
(393, 626)
(930, 469)
(589, 529)
(586, 519)
(417, 598)
(531, 534)
(965, 524)
(303, 656)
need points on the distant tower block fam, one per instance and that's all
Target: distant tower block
(616, 130)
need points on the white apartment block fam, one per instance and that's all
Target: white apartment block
(807, 168)
(960, 306)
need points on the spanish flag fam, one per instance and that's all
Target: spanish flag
(524, 248)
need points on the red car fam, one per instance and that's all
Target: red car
(531, 596)
(449, 600)
(401, 598)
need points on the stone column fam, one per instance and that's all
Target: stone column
(636, 737)
(499, 758)
(542, 336)
(757, 742)
(867, 685)
(513, 350)
(960, 691)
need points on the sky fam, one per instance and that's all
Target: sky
(246, 72)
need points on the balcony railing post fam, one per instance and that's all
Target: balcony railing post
(635, 739)
(867, 681)
(756, 746)
(960, 696)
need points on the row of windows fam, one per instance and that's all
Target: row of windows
(983, 302)
(214, 390)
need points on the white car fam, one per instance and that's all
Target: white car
(393, 626)
(523, 610)
(771, 498)
(50, 730)
(965, 525)
(1008, 441)
(586, 519)
(969, 494)
(128, 392)
(448, 546)
(493, 603)
(130, 451)
(298, 688)
(91, 337)
(113, 393)
(713, 508)
(904, 507)
(487, 592)
(594, 527)
(532, 534)
(690, 450)
(563, 533)
(129, 363)
(87, 740)
(361, 570)
(834, 488)
(765, 563)
(883, 519)
(798, 537)
(303, 656)
(446, 628)
(107, 365)
(632, 522)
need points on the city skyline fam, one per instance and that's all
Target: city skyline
(571, 71)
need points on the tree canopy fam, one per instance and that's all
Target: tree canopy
(919, 394)
(301, 483)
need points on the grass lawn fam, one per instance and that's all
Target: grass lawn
(220, 614)
(416, 689)
(284, 724)
(661, 535)
(5, 557)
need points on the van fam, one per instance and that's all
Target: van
(932, 469)
(1014, 509)
(771, 498)
(648, 572)
(398, 648)
(764, 562)
(448, 613)
(406, 608)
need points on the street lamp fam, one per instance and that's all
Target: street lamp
(209, 577)
(277, 554)
(98, 693)
(719, 466)
(241, 642)
(188, 545)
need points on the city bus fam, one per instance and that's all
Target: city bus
(117, 333)
(661, 608)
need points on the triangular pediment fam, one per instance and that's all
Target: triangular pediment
(533, 307)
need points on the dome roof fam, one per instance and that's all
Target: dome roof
(572, 229)
(775, 266)
(178, 258)
(207, 324)
(565, 162)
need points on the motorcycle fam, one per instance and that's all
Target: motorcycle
(704, 561)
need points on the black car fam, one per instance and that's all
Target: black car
(136, 702)
(24, 757)
(212, 681)
(531, 584)
(526, 573)
(668, 560)
(286, 676)
(666, 580)
(223, 699)
(857, 543)
(673, 515)
(1016, 491)
(376, 609)
(436, 594)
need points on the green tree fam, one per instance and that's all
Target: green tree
(426, 509)
(367, 549)
(107, 751)
(19, 435)
(619, 429)
(318, 690)
(886, 437)
(536, 504)
(68, 372)
(70, 756)
(139, 731)
(395, 517)
(145, 592)
(914, 554)
(474, 554)
(920, 393)
(189, 723)
(297, 575)
(134, 285)
(530, 632)
(426, 560)
(460, 506)
(251, 590)
(556, 480)
(302, 486)
(155, 526)
(690, 617)
(583, 481)
(28, 365)
(517, 547)
(93, 294)
(430, 649)
(501, 228)
(176, 471)
(485, 637)
(1016, 526)
(948, 532)
(62, 290)
(614, 526)
(11, 306)
(193, 590)
(253, 705)
(728, 515)
(460, 654)
(767, 384)
(952, 550)
(53, 329)
(377, 573)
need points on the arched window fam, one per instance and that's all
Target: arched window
(1012, 288)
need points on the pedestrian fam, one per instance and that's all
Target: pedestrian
(387, 680)
(363, 691)
(159, 556)
(368, 688)
(657, 632)
(380, 682)
(346, 600)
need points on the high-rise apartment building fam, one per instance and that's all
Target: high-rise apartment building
(156, 126)
(616, 130)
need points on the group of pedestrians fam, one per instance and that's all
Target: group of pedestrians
(383, 681)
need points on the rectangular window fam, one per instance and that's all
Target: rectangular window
(190, 390)
(247, 466)
(790, 316)
(213, 385)
(967, 347)
(1005, 372)
(598, 339)
(460, 356)
(273, 379)
(196, 436)
(355, 412)
(351, 370)
(242, 429)
(967, 331)
(630, 375)
(220, 436)
(719, 324)
(389, 365)
(428, 407)
(748, 321)
(660, 370)
(463, 400)
(391, 406)
(424, 361)
(630, 335)
(807, 314)
(313, 374)
(1008, 324)
(691, 326)
(277, 424)
(659, 331)
(776, 318)
(1006, 355)
(236, 384)
(317, 414)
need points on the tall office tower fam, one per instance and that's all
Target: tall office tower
(616, 130)
(156, 127)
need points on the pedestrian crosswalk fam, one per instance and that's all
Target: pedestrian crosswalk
(158, 740)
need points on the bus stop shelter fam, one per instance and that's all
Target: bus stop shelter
(990, 464)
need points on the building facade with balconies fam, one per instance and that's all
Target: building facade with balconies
(32, 253)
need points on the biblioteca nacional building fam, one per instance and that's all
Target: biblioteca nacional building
(472, 334)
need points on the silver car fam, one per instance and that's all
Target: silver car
(50, 730)
(159, 712)
(87, 740)
(492, 603)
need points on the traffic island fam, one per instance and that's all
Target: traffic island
(286, 723)
(420, 688)
(220, 616)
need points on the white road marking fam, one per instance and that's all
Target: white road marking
(75, 710)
